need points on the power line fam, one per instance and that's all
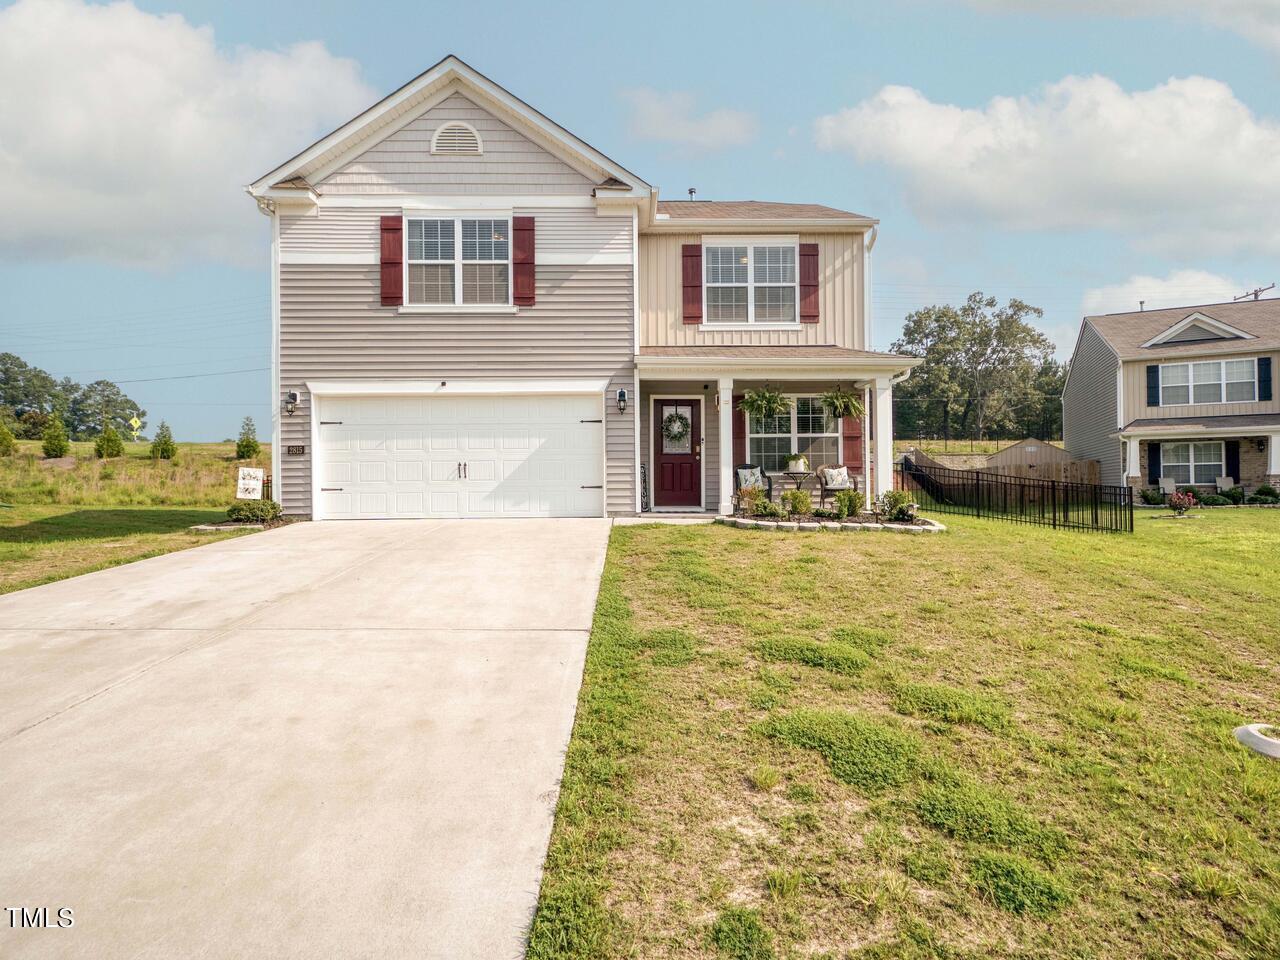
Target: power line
(193, 376)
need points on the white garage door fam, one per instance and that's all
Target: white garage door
(501, 456)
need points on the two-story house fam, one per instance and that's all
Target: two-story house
(1182, 394)
(476, 313)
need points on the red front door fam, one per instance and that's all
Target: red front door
(677, 453)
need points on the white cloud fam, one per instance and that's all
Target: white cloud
(1184, 166)
(128, 137)
(1179, 288)
(1256, 20)
(669, 118)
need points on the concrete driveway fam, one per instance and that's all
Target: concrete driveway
(326, 740)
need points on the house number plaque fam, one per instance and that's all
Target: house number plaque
(295, 450)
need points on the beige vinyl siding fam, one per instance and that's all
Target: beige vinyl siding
(579, 234)
(1089, 407)
(403, 163)
(1135, 390)
(334, 328)
(343, 231)
(710, 431)
(839, 309)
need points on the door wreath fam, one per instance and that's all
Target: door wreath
(675, 427)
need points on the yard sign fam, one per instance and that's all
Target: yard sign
(249, 484)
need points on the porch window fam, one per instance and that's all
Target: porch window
(751, 283)
(436, 261)
(1192, 463)
(807, 429)
(1212, 381)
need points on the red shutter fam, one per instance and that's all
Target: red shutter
(851, 432)
(523, 267)
(691, 280)
(392, 231)
(739, 433)
(808, 283)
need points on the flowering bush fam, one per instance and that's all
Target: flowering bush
(1180, 503)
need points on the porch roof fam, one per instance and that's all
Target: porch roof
(1243, 423)
(811, 361)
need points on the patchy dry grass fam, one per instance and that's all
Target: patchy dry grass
(1031, 755)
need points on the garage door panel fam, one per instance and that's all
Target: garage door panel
(400, 457)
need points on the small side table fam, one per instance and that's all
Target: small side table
(798, 477)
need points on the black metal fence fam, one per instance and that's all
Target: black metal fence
(1048, 503)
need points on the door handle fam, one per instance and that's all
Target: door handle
(459, 469)
(464, 470)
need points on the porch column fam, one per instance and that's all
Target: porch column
(1273, 454)
(1133, 457)
(725, 396)
(883, 438)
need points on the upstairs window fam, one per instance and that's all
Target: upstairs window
(459, 261)
(1211, 381)
(750, 283)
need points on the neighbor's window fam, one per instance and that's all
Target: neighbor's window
(807, 429)
(1192, 462)
(1211, 381)
(442, 251)
(750, 283)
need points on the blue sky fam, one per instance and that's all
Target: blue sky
(134, 256)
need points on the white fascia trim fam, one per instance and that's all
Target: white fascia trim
(1191, 434)
(758, 371)
(444, 387)
(868, 244)
(1223, 328)
(277, 481)
(690, 225)
(421, 201)
(323, 257)
(886, 367)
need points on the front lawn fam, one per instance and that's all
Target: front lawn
(39, 544)
(996, 742)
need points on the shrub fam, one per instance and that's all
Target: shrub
(1152, 496)
(749, 500)
(254, 511)
(31, 425)
(1181, 502)
(1266, 490)
(163, 447)
(1015, 885)
(739, 934)
(54, 441)
(849, 503)
(1192, 492)
(108, 444)
(797, 502)
(896, 505)
(247, 447)
(863, 753)
(1234, 494)
(767, 508)
(1259, 498)
(1213, 500)
(7, 443)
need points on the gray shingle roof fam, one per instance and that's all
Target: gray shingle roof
(751, 210)
(1127, 332)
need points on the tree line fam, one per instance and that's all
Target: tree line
(30, 398)
(987, 374)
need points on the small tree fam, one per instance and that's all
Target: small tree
(247, 447)
(108, 444)
(163, 447)
(7, 444)
(54, 440)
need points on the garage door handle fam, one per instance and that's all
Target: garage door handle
(330, 489)
(592, 486)
(330, 423)
(591, 421)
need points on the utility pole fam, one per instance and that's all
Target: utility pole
(1255, 293)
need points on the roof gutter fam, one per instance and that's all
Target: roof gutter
(828, 225)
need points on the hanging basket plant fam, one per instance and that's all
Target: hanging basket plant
(841, 402)
(764, 403)
(675, 427)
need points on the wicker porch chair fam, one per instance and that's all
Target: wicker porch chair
(824, 488)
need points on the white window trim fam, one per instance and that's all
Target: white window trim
(435, 137)
(1192, 461)
(751, 242)
(796, 435)
(1222, 382)
(457, 306)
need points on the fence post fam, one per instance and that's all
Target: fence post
(1053, 490)
(977, 494)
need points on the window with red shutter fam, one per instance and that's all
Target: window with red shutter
(808, 283)
(691, 281)
(523, 261)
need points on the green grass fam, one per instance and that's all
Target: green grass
(40, 544)
(1032, 757)
(202, 475)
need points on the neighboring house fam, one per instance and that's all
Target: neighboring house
(1182, 394)
(476, 313)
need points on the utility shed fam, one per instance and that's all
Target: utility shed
(1028, 453)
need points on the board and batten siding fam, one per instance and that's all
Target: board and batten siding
(333, 327)
(1135, 390)
(510, 163)
(1089, 407)
(840, 293)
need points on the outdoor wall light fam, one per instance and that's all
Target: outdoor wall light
(622, 400)
(1262, 444)
(291, 402)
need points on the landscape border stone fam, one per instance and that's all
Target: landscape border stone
(790, 526)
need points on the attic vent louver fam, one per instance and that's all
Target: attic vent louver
(455, 139)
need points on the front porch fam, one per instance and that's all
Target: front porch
(1197, 459)
(695, 473)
